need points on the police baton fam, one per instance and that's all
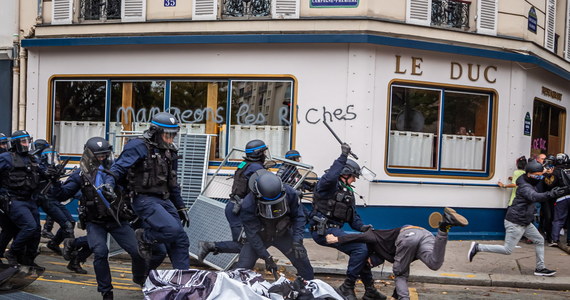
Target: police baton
(337, 138)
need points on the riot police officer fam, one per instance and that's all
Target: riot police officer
(101, 213)
(255, 155)
(20, 175)
(333, 206)
(9, 229)
(272, 216)
(3, 143)
(149, 165)
(54, 209)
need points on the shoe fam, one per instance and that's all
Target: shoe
(47, 234)
(205, 249)
(75, 266)
(553, 244)
(347, 289)
(140, 280)
(472, 251)
(107, 295)
(144, 248)
(12, 259)
(452, 218)
(53, 247)
(544, 272)
(67, 249)
(373, 294)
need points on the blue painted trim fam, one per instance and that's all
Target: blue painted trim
(166, 106)
(435, 183)
(108, 89)
(228, 116)
(297, 38)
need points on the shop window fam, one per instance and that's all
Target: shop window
(438, 131)
(258, 109)
(78, 113)
(547, 128)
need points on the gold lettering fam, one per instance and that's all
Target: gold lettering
(470, 72)
(398, 71)
(452, 75)
(486, 74)
(416, 65)
(552, 94)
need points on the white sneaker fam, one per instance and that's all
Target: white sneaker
(472, 251)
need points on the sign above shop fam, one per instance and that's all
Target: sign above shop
(532, 20)
(552, 94)
(334, 3)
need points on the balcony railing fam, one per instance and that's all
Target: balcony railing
(246, 8)
(101, 10)
(450, 13)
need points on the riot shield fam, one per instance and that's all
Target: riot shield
(13, 277)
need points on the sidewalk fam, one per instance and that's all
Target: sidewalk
(487, 269)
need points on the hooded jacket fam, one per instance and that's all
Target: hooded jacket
(522, 210)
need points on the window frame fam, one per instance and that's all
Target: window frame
(168, 79)
(438, 171)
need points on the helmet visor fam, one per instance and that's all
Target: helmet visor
(51, 157)
(367, 174)
(105, 159)
(23, 144)
(273, 208)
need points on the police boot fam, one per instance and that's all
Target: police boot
(372, 293)
(12, 259)
(68, 249)
(47, 234)
(75, 266)
(54, 247)
(205, 249)
(29, 258)
(107, 295)
(144, 248)
(347, 289)
(451, 218)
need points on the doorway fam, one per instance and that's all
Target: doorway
(548, 124)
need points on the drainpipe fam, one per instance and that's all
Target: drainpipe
(22, 99)
(15, 84)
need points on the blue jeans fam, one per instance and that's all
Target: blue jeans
(513, 234)
(125, 237)
(164, 227)
(357, 252)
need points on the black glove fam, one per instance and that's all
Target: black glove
(108, 192)
(365, 228)
(183, 214)
(270, 265)
(345, 148)
(557, 192)
(52, 172)
(299, 250)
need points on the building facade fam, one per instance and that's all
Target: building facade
(437, 97)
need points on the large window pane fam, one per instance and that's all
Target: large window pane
(260, 110)
(79, 113)
(414, 126)
(465, 127)
(133, 103)
(201, 106)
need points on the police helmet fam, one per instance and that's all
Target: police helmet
(50, 156)
(21, 141)
(255, 150)
(533, 166)
(101, 150)
(562, 159)
(293, 155)
(40, 145)
(549, 161)
(3, 143)
(270, 193)
(162, 122)
(351, 169)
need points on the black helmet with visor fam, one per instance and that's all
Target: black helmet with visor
(50, 156)
(21, 142)
(4, 143)
(99, 152)
(270, 193)
(162, 123)
(351, 169)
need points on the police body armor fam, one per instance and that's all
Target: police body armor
(91, 205)
(340, 207)
(23, 178)
(154, 175)
(239, 186)
(274, 228)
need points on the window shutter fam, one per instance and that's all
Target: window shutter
(285, 9)
(549, 26)
(487, 16)
(133, 10)
(62, 12)
(205, 10)
(418, 12)
(567, 48)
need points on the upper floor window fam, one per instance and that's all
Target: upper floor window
(450, 13)
(439, 131)
(98, 10)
